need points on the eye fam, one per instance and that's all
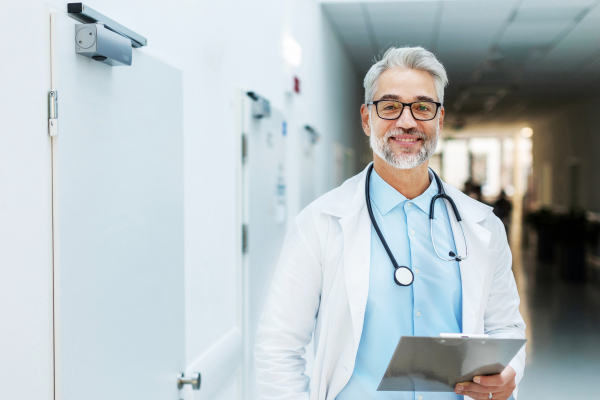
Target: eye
(390, 106)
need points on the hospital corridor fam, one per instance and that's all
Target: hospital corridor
(300, 199)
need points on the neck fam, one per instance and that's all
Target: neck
(410, 183)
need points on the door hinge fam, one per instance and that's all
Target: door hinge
(244, 147)
(244, 238)
(53, 112)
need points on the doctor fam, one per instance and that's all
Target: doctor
(335, 279)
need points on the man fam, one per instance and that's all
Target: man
(503, 210)
(335, 279)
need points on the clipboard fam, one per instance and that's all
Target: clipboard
(437, 364)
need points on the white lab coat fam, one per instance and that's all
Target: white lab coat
(323, 274)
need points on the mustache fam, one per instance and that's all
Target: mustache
(411, 131)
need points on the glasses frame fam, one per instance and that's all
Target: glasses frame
(374, 103)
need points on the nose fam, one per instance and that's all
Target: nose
(406, 120)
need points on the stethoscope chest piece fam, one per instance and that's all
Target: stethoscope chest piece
(403, 276)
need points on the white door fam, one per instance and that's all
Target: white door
(26, 329)
(264, 215)
(118, 225)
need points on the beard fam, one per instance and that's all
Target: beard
(406, 158)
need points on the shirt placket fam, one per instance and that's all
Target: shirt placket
(410, 209)
(411, 226)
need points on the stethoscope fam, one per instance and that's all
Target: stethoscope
(403, 276)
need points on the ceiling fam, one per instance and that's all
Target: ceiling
(504, 58)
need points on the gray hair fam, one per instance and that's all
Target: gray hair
(408, 58)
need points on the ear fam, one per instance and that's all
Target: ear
(364, 116)
(441, 121)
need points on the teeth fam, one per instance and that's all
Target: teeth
(406, 140)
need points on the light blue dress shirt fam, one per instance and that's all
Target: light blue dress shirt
(428, 307)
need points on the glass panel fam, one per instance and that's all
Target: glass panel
(389, 109)
(424, 110)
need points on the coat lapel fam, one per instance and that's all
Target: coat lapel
(349, 205)
(357, 260)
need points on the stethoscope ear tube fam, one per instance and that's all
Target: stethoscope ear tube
(442, 195)
(454, 256)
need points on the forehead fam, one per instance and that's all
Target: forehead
(408, 84)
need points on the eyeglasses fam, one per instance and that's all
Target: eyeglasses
(420, 110)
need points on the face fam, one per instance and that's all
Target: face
(404, 143)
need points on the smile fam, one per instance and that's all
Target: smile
(406, 141)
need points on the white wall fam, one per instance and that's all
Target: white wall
(219, 46)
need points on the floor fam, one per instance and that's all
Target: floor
(563, 330)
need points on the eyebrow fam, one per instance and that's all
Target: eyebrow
(396, 97)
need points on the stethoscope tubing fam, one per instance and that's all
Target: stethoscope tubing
(442, 195)
(375, 225)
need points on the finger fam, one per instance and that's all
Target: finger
(505, 395)
(495, 396)
(474, 387)
(490, 380)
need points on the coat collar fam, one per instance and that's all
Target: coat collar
(348, 199)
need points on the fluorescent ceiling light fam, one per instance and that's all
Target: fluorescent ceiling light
(292, 51)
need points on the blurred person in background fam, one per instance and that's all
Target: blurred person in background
(473, 190)
(336, 282)
(503, 209)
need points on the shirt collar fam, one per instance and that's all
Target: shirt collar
(383, 195)
(424, 200)
(386, 197)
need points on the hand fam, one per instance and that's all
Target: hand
(500, 385)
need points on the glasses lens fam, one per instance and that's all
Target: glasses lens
(389, 109)
(424, 110)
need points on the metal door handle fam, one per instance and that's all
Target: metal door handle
(194, 381)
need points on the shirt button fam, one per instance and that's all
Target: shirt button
(409, 204)
(417, 271)
(420, 397)
(418, 314)
(412, 232)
